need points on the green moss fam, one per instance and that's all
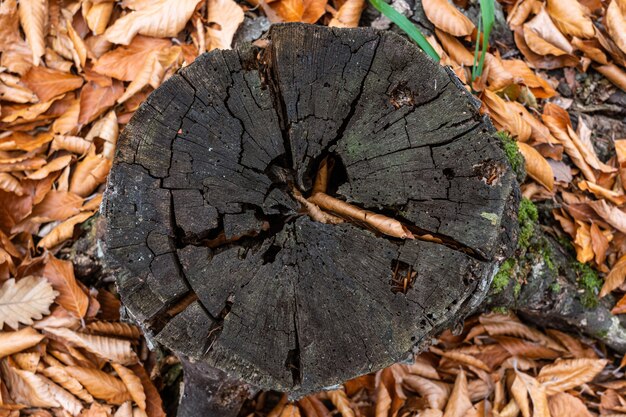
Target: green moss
(555, 287)
(502, 277)
(517, 289)
(500, 310)
(546, 253)
(589, 282)
(512, 153)
(527, 217)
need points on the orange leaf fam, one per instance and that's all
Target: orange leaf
(96, 99)
(611, 214)
(154, 405)
(100, 384)
(228, 15)
(133, 384)
(13, 342)
(63, 231)
(33, 17)
(614, 74)
(615, 21)
(543, 37)
(615, 277)
(459, 403)
(570, 17)
(48, 83)
(537, 166)
(448, 18)
(289, 10)
(348, 15)
(564, 375)
(61, 275)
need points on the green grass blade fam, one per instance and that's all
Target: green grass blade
(475, 73)
(407, 26)
(488, 16)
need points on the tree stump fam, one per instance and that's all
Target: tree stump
(205, 219)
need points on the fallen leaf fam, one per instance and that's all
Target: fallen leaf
(611, 214)
(27, 387)
(341, 402)
(566, 374)
(614, 74)
(49, 83)
(547, 38)
(160, 18)
(60, 274)
(615, 21)
(96, 99)
(506, 116)
(108, 348)
(225, 16)
(63, 231)
(54, 165)
(24, 300)
(615, 277)
(536, 166)
(348, 15)
(100, 384)
(33, 17)
(97, 15)
(447, 18)
(66, 400)
(537, 394)
(59, 375)
(133, 384)
(436, 393)
(124, 62)
(13, 342)
(459, 403)
(154, 405)
(90, 173)
(570, 17)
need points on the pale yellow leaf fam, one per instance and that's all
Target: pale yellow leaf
(160, 18)
(108, 348)
(27, 299)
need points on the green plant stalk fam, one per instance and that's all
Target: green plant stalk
(405, 24)
(485, 25)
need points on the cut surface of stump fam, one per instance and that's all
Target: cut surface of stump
(218, 260)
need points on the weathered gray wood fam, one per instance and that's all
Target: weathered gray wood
(201, 218)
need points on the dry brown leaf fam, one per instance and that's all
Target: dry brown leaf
(378, 222)
(567, 374)
(463, 358)
(59, 375)
(133, 384)
(90, 173)
(615, 277)
(54, 165)
(566, 405)
(447, 18)
(107, 129)
(611, 214)
(95, 99)
(615, 21)
(547, 62)
(226, 16)
(537, 394)
(599, 243)
(97, 15)
(543, 37)
(348, 15)
(591, 49)
(290, 410)
(455, 49)
(614, 74)
(22, 301)
(9, 24)
(13, 342)
(154, 405)
(570, 17)
(74, 144)
(66, 400)
(507, 325)
(124, 62)
(436, 393)
(520, 395)
(27, 387)
(33, 18)
(63, 231)
(459, 403)
(614, 197)
(506, 116)
(116, 329)
(48, 83)
(557, 120)
(10, 184)
(582, 243)
(60, 274)
(160, 18)
(100, 384)
(341, 402)
(537, 166)
(108, 348)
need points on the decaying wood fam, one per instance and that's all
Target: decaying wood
(218, 260)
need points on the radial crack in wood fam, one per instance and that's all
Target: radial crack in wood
(219, 262)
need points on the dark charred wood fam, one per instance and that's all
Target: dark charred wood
(217, 260)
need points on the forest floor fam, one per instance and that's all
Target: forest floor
(73, 73)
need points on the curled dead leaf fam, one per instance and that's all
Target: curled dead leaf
(537, 166)
(13, 342)
(100, 384)
(571, 18)
(348, 15)
(447, 18)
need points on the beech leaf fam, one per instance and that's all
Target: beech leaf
(24, 300)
